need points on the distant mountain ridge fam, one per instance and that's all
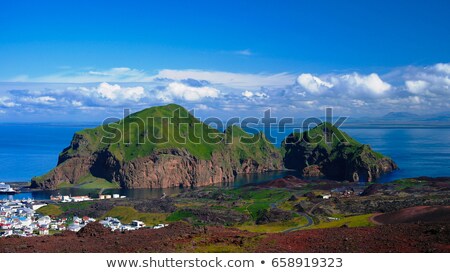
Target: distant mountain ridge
(403, 118)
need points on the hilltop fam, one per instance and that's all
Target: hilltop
(327, 151)
(159, 147)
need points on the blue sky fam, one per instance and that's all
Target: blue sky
(86, 57)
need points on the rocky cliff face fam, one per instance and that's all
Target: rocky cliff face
(163, 169)
(134, 165)
(327, 151)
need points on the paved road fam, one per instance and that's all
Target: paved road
(308, 218)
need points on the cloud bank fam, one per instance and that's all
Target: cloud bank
(416, 89)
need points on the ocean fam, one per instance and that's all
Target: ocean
(28, 150)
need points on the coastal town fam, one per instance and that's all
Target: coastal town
(20, 218)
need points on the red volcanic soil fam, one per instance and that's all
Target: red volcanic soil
(424, 214)
(182, 237)
(387, 238)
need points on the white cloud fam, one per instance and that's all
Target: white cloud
(406, 88)
(254, 96)
(429, 81)
(247, 94)
(261, 95)
(76, 103)
(233, 80)
(7, 102)
(442, 67)
(312, 83)
(116, 92)
(417, 87)
(117, 74)
(177, 90)
(342, 84)
(358, 103)
(371, 83)
(45, 100)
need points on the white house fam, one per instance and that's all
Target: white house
(137, 224)
(160, 226)
(43, 231)
(44, 220)
(74, 227)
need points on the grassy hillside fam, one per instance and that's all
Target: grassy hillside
(244, 145)
(326, 136)
(143, 132)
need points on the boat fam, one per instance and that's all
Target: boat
(6, 189)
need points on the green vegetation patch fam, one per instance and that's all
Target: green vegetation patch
(90, 182)
(179, 215)
(50, 209)
(127, 214)
(351, 221)
(75, 205)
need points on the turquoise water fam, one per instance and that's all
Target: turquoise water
(32, 149)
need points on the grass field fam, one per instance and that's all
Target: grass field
(351, 221)
(52, 210)
(128, 214)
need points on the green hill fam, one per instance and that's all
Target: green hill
(160, 146)
(327, 151)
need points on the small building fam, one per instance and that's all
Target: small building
(66, 198)
(74, 227)
(160, 226)
(77, 220)
(56, 197)
(43, 231)
(44, 220)
(115, 195)
(80, 198)
(137, 224)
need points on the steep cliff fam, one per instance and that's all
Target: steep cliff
(327, 151)
(160, 147)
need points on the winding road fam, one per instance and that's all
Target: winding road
(308, 218)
